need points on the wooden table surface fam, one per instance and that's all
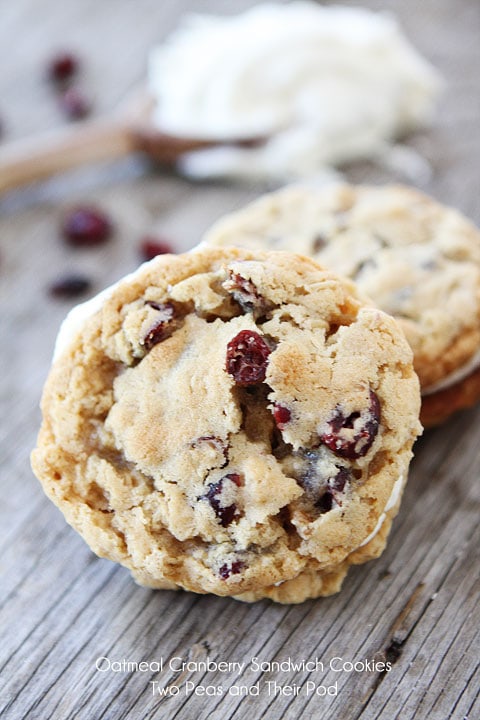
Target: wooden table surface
(61, 607)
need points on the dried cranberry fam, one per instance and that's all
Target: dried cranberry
(69, 286)
(351, 437)
(247, 358)
(335, 486)
(163, 326)
(62, 67)
(319, 243)
(74, 104)
(225, 513)
(281, 415)
(233, 569)
(150, 247)
(245, 292)
(338, 482)
(86, 226)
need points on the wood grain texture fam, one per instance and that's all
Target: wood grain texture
(61, 608)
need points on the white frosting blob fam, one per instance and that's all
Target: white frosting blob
(73, 322)
(326, 85)
(75, 319)
(391, 502)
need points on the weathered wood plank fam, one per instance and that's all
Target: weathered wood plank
(60, 607)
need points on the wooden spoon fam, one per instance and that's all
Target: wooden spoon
(41, 156)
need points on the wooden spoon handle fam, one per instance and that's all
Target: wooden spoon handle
(39, 157)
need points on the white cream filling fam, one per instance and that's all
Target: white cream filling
(323, 86)
(454, 377)
(75, 319)
(392, 501)
(77, 316)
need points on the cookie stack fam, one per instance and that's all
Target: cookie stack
(240, 421)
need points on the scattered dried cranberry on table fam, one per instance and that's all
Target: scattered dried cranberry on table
(74, 104)
(63, 67)
(69, 286)
(86, 226)
(151, 246)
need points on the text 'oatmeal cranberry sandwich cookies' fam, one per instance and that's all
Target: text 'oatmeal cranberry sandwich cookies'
(416, 259)
(230, 422)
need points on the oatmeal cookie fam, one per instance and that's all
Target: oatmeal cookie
(230, 422)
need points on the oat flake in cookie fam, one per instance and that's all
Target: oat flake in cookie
(418, 260)
(231, 422)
